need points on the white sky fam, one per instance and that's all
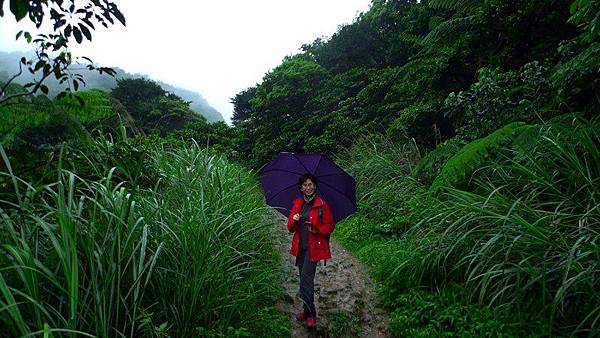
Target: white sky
(215, 47)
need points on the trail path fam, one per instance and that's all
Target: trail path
(344, 294)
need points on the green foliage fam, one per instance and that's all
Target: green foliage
(28, 116)
(97, 104)
(525, 237)
(375, 159)
(105, 257)
(342, 323)
(576, 76)
(515, 256)
(586, 13)
(432, 163)
(457, 171)
(149, 109)
(499, 98)
(421, 313)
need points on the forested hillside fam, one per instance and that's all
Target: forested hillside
(470, 126)
(9, 66)
(429, 71)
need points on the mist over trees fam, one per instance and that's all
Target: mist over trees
(92, 79)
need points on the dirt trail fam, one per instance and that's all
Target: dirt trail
(344, 294)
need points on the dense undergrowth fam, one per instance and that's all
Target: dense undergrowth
(513, 251)
(185, 251)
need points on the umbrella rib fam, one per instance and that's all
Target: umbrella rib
(341, 193)
(280, 191)
(318, 164)
(302, 164)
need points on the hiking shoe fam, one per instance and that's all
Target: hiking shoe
(310, 322)
(300, 316)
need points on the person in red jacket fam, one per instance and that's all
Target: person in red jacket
(311, 221)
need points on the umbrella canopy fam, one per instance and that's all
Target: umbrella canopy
(280, 182)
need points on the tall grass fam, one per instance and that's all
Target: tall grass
(527, 235)
(521, 237)
(217, 273)
(192, 255)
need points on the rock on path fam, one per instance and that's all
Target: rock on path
(344, 294)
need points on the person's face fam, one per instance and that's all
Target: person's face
(308, 187)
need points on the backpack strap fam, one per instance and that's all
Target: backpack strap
(320, 211)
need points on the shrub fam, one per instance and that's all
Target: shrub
(432, 163)
(526, 236)
(500, 98)
(457, 171)
(420, 313)
(101, 257)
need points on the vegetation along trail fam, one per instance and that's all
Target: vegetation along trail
(344, 294)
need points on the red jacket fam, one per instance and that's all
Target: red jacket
(317, 244)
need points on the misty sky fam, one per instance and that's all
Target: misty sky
(215, 47)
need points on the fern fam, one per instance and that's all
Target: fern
(450, 28)
(456, 5)
(466, 15)
(459, 168)
(430, 165)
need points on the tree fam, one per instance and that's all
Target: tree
(153, 109)
(242, 109)
(70, 20)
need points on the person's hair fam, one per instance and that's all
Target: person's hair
(304, 178)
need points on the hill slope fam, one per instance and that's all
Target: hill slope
(9, 66)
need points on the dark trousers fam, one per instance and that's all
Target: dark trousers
(307, 270)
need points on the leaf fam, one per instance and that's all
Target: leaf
(59, 23)
(117, 13)
(57, 73)
(88, 22)
(76, 85)
(27, 37)
(47, 69)
(44, 89)
(86, 32)
(68, 31)
(77, 34)
(19, 8)
(19, 33)
(54, 15)
(107, 70)
(39, 65)
(1, 6)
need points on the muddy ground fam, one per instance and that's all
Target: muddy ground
(344, 294)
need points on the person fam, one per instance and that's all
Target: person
(311, 221)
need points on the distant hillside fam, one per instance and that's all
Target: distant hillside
(9, 65)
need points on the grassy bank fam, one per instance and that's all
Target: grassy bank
(182, 250)
(507, 244)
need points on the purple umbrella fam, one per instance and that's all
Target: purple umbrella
(280, 182)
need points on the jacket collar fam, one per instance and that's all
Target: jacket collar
(317, 202)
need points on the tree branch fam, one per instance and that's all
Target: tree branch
(5, 86)
(33, 90)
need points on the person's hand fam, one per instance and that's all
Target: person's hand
(312, 228)
(296, 217)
